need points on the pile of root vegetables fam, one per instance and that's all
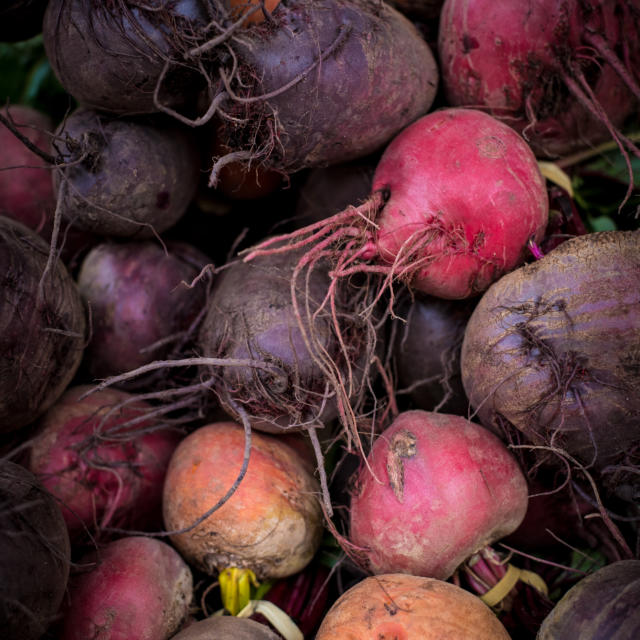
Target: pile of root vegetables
(320, 319)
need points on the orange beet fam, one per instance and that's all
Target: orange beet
(399, 606)
(272, 524)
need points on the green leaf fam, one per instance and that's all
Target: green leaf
(601, 223)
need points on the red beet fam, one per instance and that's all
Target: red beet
(456, 198)
(104, 471)
(437, 488)
(558, 71)
(137, 587)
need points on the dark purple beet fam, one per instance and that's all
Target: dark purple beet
(21, 19)
(126, 177)
(35, 554)
(553, 349)
(427, 354)
(341, 78)
(42, 330)
(110, 55)
(603, 606)
(135, 293)
(251, 315)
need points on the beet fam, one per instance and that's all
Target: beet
(138, 296)
(326, 81)
(104, 457)
(42, 326)
(437, 488)
(553, 349)
(35, 554)
(427, 353)
(110, 56)
(125, 177)
(552, 69)
(457, 199)
(603, 606)
(136, 587)
(303, 373)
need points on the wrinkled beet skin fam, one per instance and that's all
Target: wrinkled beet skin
(603, 606)
(83, 472)
(554, 349)
(428, 350)
(510, 58)
(251, 315)
(381, 78)
(136, 297)
(145, 173)
(41, 342)
(104, 63)
(36, 554)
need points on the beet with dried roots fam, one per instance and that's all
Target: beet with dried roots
(323, 82)
(104, 457)
(124, 177)
(42, 326)
(111, 56)
(289, 360)
(561, 72)
(553, 349)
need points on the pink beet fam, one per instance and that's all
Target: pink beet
(439, 488)
(138, 588)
